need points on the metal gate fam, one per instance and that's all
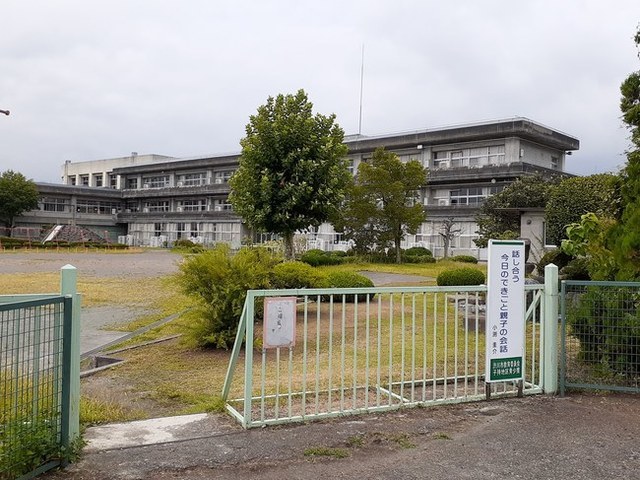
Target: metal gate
(375, 349)
(39, 380)
(600, 336)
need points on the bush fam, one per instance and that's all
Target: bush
(419, 259)
(576, 269)
(555, 256)
(316, 258)
(464, 259)
(460, 276)
(418, 251)
(219, 282)
(349, 280)
(606, 321)
(187, 245)
(296, 275)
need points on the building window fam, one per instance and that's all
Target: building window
(469, 157)
(222, 206)
(467, 196)
(179, 230)
(84, 180)
(159, 181)
(192, 205)
(97, 179)
(192, 179)
(132, 183)
(50, 204)
(156, 206)
(113, 181)
(72, 180)
(223, 176)
(195, 229)
(132, 206)
(97, 207)
(554, 163)
(158, 229)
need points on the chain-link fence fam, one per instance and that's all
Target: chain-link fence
(600, 338)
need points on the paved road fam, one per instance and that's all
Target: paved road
(580, 437)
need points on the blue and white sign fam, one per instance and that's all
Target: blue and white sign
(505, 322)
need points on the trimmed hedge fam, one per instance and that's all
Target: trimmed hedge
(297, 275)
(316, 258)
(418, 251)
(464, 258)
(458, 277)
(349, 280)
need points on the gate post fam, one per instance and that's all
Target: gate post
(550, 329)
(68, 286)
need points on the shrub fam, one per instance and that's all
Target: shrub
(460, 277)
(555, 256)
(316, 258)
(219, 282)
(418, 251)
(576, 269)
(464, 259)
(187, 245)
(349, 280)
(296, 275)
(606, 322)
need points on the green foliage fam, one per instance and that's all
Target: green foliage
(27, 444)
(343, 279)
(499, 217)
(316, 258)
(460, 276)
(219, 281)
(417, 251)
(418, 259)
(555, 256)
(606, 321)
(296, 275)
(292, 173)
(11, 243)
(464, 258)
(573, 197)
(17, 195)
(576, 269)
(589, 239)
(186, 245)
(382, 204)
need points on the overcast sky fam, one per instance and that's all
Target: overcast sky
(88, 80)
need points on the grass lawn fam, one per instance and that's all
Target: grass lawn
(172, 377)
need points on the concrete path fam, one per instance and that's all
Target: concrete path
(580, 437)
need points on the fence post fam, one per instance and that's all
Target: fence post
(550, 372)
(69, 286)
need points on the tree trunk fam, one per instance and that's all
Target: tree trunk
(446, 247)
(398, 254)
(288, 246)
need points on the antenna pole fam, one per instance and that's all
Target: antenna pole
(361, 84)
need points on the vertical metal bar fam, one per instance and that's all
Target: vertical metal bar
(68, 286)
(379, 352)
(466, 343)
(563, 339)
(367, 351)
(390, 348)
(402, 344)
(67, 340)
(277, 405)
(248, 358)
(424, 344)
(304, 356)
(330, 371)
(318, 307)
(446, 345)
(289, 395)
(476, 368)
(354, 380)
(435, 343)
(456, 312)
(413, 347)
(263, 380)
(343, 342)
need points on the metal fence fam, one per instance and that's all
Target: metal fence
(600, 336)
(372, 349)
(38, 395)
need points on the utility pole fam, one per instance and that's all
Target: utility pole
(6, 112)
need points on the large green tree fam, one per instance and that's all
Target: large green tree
(626, 236)
(499, 216)
(17, 195)
(292, 172)
(382, 205)
(572, 197)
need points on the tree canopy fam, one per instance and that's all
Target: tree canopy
(17, 195)
(571, 198)
(292, 171)
(626, 235)
(382, 205)
(499, 216)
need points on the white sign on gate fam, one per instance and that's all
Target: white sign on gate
(279, 322)
(505, 322)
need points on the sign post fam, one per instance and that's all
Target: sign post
(505, 323)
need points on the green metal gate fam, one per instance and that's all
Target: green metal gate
(39, 391)
(600, 336)
(374, 349)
